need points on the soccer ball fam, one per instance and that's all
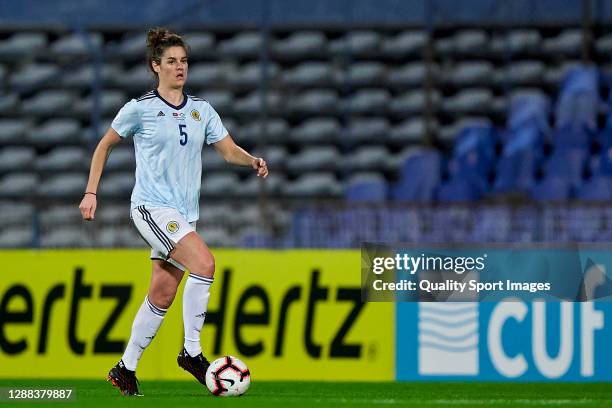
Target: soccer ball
(228, 377)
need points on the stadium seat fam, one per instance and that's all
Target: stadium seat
(360, 43)
(16, 237)
(551, 188)
(521, 73)
(601, 164)
(316, 130)
(276, 156)
(314, 159)
(314, 102)
(366, 187)
(220, 184)
(63, 185)
(361, 130)
(16, 213)
(68, 236)
(77, 45)
(55, 131)
(554, 74)
(568, 163)
(515, 171)
(212, 161)
(137, 79)
(471, 100)
(118, 184)
(301, 44)
(242, 45)
(572, 137)
(567, 43)
(22, 44)
(412, 74)
(420, 176)
(201, 44)
(60, 214)
(471, 42)
(310, 74)
(518, 41)
(314, 185)
(598, 188)
(274, 131)
(362, 74)
(221, 100)
(33, 76)
(110, 101)
(411, 131)
(529, 107)
(252, 103)
(471, 73)
(367, 158)
(273, 184)
(58, 102)
(250, 75)
(9, 103)
(131, 47)
(207, 74)
(63, 158)
(17, 158)
(85, 76)
(413, 102)
(113, 214)
(13, 130)
(457, 190)
(404, 44)
(367, 101)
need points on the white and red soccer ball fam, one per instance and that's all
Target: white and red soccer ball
(228, 377)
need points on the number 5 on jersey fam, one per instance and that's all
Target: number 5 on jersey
(183, 140)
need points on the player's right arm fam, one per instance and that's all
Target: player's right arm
(89, 202)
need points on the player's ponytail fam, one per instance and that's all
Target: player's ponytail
(158, 39)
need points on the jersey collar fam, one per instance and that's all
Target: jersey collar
(179, 107)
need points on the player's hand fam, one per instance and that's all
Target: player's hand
(261, 167)
(88, 207)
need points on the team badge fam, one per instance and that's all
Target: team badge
(195, 114)
(172, 227)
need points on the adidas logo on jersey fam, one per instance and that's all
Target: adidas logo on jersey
(161, 113)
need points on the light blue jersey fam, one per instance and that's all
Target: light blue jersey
(168, 142)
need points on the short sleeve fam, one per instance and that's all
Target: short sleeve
(215, 131)
(127, 121)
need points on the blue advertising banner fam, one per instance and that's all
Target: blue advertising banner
(500, 341)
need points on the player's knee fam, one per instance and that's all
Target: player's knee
(205, 266)
(163, 298)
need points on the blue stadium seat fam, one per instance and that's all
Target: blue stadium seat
(21, 44)
(413, 102)
(367, 158)
(572, 137)
(207, 74)
(17, 158)
(567, 43)
(551, 189)
(367, 101)
(365, 130)
(420, 176)
(250, 75)
(578, 103)
(458, 190)
(569, 164)
(201, 44)
(529, 107)
(471, 73)
(314, 159)
(314, 101)
(412, 74)
(252, 103)
(470, 100)
(366, 187)
(361, 43)
(598, 188)
(515, 171)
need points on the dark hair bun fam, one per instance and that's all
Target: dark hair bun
(156, 36)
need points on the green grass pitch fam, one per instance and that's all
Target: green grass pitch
(271, 394)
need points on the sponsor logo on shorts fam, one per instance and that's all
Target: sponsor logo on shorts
(172, 227)
(195, 115)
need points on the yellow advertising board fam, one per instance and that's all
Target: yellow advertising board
(290, 315)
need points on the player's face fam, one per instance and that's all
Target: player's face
(172, 70)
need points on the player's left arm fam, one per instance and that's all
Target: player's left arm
(234, 154)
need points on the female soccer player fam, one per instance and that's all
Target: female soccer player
(169, 129)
